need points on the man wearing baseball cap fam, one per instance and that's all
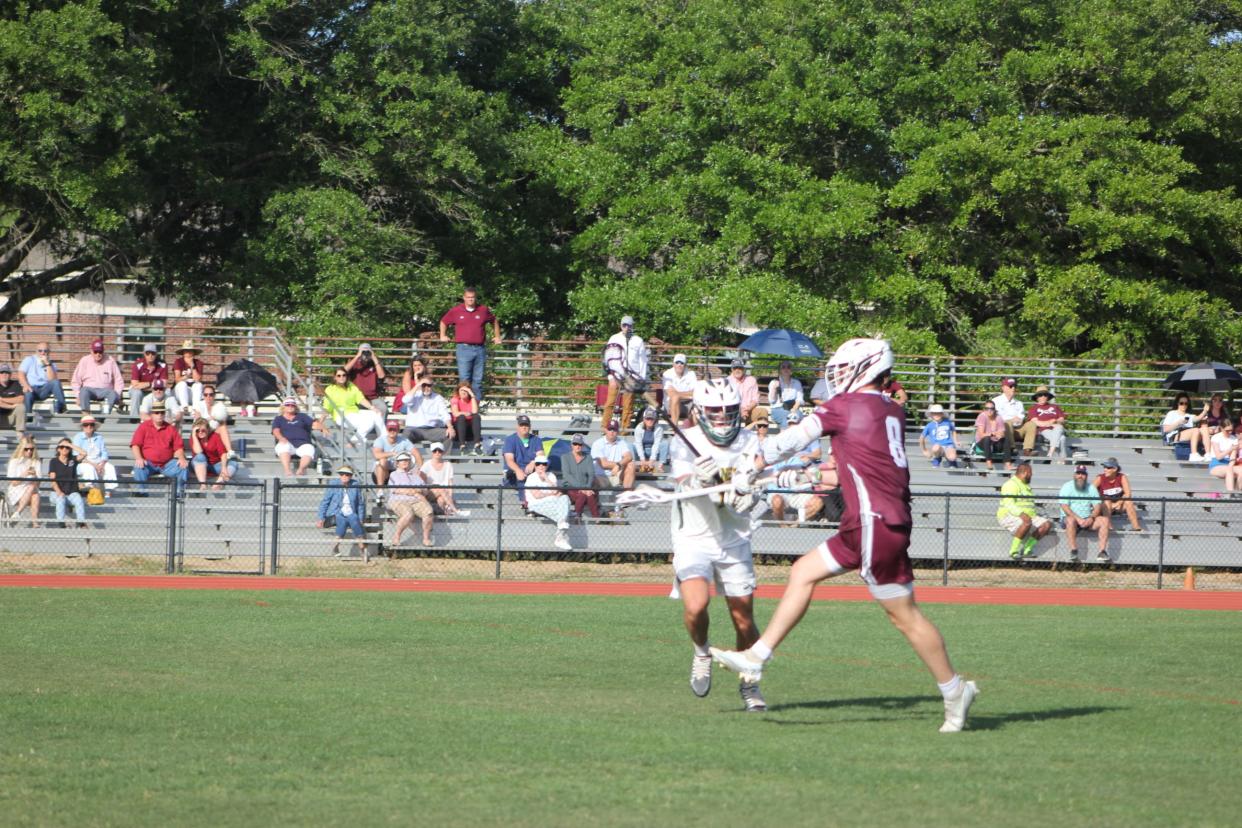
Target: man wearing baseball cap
(519, 452)
(97, 377)
(748, 390)
(679, 388)
(578, 477)
(1082, 510)
(1010, 409)
(12, 400)
(148, 368)
(614, 462)
(625, 365)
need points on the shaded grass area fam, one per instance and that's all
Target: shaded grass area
(238, 708)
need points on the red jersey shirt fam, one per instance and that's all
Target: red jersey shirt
(868, 440)
(148, 373)
(157, 444)
(213, 447)
(1045, 411)
(181, 369)
(469, 324)
(367, 381)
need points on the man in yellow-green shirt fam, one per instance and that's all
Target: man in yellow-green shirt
(344, 402)
(1017, 513)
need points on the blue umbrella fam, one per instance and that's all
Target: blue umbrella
(781, 341)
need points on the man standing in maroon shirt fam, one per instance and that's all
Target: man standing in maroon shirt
(469, 321)
(867, 430)
(158, 449)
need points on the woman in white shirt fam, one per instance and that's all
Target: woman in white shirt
(1223, 461)
(544, 497)
(1178, 426)
(24, 463)
(439, 472)
(785, 398)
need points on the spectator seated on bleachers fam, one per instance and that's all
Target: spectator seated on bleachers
(543, 497)
(213, 454)
(408, 499)
(1224, 456)
(992, 437)
(62, 469)
(158, 449)
(343, 403)
(12, 401)
(1212, 422)
(210, 408)
(939, 438)
(292, 430)
(386, 448)
(818, 484)
(39, 378)
(95, 462)
(614, 461)
(1017, 514)
(97, 377)
(427, 416)
(187, 374)
(1115, 492)
(785, 399)
(438, 473)
(678, 383)
(173, 412)
(345, 506)
(1180, 426)
(1083, 511)
(650, 447)
(578, 477)
(23, 495)
(519, 452)
(467, 421)
(366, 372)
(145, 371)
(1045, 421)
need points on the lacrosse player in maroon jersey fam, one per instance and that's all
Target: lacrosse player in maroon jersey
(867, 431)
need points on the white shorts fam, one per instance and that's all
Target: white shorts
(304, 450)
(732, 570)
(1012, 523)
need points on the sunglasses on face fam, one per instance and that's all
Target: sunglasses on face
(27, 451)
(40, 350)
(62, 448)
(208, 393)
(437, 451)
(88, 425)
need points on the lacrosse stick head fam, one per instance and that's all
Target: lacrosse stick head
(641, 497)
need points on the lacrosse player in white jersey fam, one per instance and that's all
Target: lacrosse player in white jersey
(711, 533)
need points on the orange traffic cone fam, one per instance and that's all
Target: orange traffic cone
(1189, 581)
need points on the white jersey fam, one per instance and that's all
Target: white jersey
(702, 523)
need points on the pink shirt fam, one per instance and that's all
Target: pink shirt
(748, 390)
(989, 427)
(91, 374)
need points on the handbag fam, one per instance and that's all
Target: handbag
(94, 496)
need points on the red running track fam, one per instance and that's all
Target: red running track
(1127, 598)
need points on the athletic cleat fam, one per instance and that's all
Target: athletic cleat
(701, 675)
(955, 710)
(751, 696)
(742, 662)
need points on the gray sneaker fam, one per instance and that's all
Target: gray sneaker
(701, 675)
(751, 696)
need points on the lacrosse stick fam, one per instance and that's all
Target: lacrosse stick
(645, 495)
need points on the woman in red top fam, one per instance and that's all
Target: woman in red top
(467, 424)
(212, 453)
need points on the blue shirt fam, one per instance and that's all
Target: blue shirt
(522, 454)
(1080, 501)
(297, 431)
(397, 447)
(35, 373)
(939, 433)
(92, 445)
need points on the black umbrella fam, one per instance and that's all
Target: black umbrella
(1203, 377)
(246, 381)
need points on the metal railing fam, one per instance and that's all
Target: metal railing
(271, 527)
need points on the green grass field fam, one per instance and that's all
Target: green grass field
(246, 708)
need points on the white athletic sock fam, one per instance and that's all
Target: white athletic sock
(702, 651)
(760, 650)
(951, 688)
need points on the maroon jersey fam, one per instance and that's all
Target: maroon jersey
(1045, 411)
(469, 324)
(143, 372)
(868, 440)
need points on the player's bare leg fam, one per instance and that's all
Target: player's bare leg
(928, 644)
(695, 596)
(742, 611)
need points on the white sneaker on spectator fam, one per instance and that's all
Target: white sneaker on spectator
(701, 675)
(955, 709)
(1198, 458)
(562, 541)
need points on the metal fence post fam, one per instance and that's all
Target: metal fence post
(500, 511)
(275, 521)
(171, 539)
(951, 400)
(1164, 503)
(1116, 399)
(944, 578)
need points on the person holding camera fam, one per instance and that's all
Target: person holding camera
(366, 372)
(467, 422)
(625, 364)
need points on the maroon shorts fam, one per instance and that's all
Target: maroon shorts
(879, 552)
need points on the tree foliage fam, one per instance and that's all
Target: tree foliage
(1047, 177)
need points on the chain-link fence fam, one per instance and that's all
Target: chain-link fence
(484, 532)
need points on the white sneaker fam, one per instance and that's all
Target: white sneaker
(749, 667)
(701, 675)
(562, 541)
(955, 710)
(751, 696)
(1197, 458)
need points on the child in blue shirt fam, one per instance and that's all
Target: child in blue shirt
(939, 438)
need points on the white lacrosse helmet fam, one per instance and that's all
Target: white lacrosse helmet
(856, 363)
(719, 410)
